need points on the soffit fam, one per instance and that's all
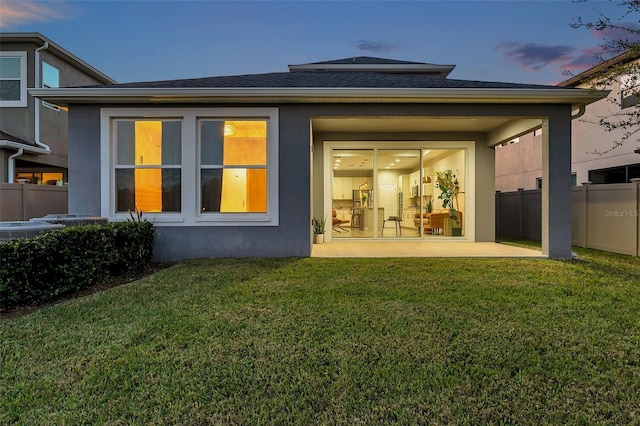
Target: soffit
(409, 124)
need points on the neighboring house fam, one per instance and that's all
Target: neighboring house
(33, 134)
(239, 165)
(519, 163)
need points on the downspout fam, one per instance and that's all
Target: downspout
(36, 108)
(38, 85)
(12, 164)
(580, 112)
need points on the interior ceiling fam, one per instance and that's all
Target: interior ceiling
(348, 160)
(408, 124)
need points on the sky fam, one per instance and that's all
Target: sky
(149, 40)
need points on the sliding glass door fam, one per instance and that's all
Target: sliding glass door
(393, 192)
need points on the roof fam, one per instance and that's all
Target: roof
(59, 51)
(370, 64)
(327, 79)
(360, 79)
(597, 70)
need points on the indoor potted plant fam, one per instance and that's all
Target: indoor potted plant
(318, 229)
(448, 184)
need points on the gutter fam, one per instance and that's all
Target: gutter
(65, 96)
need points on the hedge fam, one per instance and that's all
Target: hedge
(47, 266)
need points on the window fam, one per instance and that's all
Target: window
(620, 174)
(147, 170)
(574, 180)
(13, 79)
(233, 166)
(50, 79)
(629, 88)
(191, 166)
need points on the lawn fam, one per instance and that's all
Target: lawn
(336, 341)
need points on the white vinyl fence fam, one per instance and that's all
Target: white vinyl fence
(604, 217)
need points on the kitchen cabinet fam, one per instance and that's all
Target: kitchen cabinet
(408, 214)
(342, 187)
(344, 214)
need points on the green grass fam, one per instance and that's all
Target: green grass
(336, 341)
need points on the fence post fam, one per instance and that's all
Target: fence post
(635, 186)
(520, 192)
(24, 200)
(585, 208)
(497, 214)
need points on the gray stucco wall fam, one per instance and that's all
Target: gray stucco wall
(293, 236)
(84, 160)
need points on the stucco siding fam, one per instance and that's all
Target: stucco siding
(84, 160)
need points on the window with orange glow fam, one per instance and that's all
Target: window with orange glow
(233, 166)
(148, 165)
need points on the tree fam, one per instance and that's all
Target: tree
(620, 62)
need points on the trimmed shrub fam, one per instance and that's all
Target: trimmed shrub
(47, 266)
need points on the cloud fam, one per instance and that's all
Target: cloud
(15, 13)
(582, 60)
(534, 56)
(622, 31)
(379, 46)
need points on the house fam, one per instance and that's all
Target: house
(33, 134)
(519, 163)
(239, 165)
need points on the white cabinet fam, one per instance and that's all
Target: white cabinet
(342, 188)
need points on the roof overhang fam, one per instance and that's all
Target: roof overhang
(5, 143)
(440, 70)
(103, 95)
(59, 51)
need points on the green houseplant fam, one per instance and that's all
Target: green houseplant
(318, 229)
(447, 183)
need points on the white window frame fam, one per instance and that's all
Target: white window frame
(49, 86)
(190, 174)
(22, 102)
(628, 85)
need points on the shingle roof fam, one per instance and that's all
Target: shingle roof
(332, 79)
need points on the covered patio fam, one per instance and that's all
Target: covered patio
(420, 249)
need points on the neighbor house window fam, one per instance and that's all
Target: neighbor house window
(233, 166)
(50, 79)
(629, 89)
(148, 165)
(191, 166)
(13, 79)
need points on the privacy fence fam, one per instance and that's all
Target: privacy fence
(24, 201)
(604, 217)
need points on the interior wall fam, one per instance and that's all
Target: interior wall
(456, 163)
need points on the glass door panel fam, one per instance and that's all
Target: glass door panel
(442, 191)
(399, 193)
(352, 193)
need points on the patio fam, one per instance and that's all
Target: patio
(420, 249)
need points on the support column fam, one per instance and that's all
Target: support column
(556, 183)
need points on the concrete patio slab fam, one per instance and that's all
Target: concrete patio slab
(420, 249)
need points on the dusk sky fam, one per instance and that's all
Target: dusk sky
(145, 40)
